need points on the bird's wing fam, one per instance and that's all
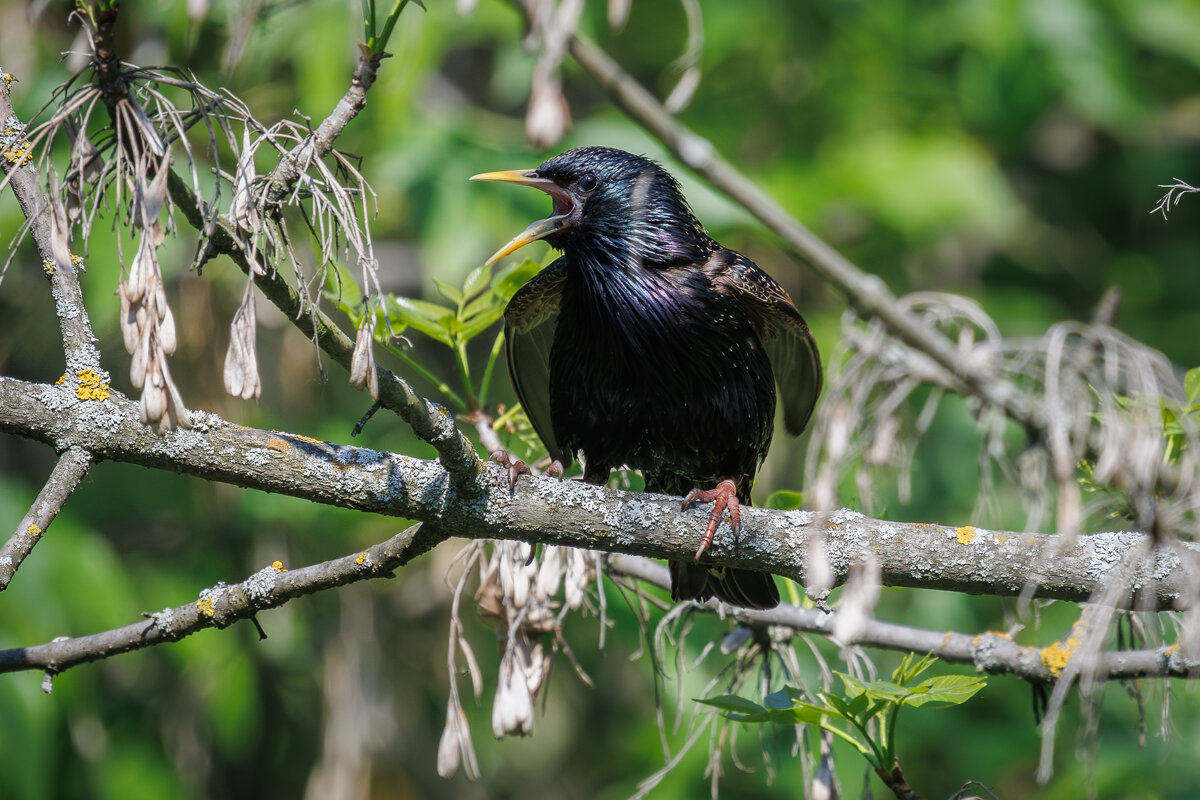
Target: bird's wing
(783, 333)
(529, 323)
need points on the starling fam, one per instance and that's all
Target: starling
(650, 346)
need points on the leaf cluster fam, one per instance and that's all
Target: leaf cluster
(864, 714)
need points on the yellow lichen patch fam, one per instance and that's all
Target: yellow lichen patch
(1056, 656)
(19, 153)
(204, 607)
(362, 558)
(275, 443)
(1170, 651)
(8, 79)
(308, 439)
(91, 386)
(965, 534)
(60, 381)
(48, 267)
(277, 564)
(34, 529)
(76, 260)
(946, 639)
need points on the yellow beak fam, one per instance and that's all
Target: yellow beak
(562, 218)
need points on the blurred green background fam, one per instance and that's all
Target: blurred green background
(1009, 151)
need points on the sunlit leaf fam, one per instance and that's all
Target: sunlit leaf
(476, 281)
(1191, 386)
(943, 691)
(910, 667)
(341, 287)
(483, 303)
(875, 690)
(510, 279)
(449, 292)
(785, 500)
(428, 318)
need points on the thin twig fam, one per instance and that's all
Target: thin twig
(993, 653)
(68, 472)
(222, 605)
(47, 223)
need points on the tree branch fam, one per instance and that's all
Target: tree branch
(430, 421)
(47, 223)
(222, 605)
(991, 652)
(550, 511)
(67, 474)
(319, 143)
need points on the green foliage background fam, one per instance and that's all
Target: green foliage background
(1009, 151)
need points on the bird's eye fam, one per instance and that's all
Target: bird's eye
(588, 183)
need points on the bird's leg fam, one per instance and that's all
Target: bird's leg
(723, 497)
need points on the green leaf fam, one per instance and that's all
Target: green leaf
(908, 670)
(1191, 386)
(476, 281)
(943, 691)
(341, 287)
(510, 279)
(740, 709)
(485, 303)
(449, 292)
(472, 328)
(876, 690)
(428, 318)
(858, 706)
(785, 500)
(733, 703)
(423, 309)
(801, 714)
(786, 697)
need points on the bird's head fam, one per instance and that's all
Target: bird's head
(611, 206)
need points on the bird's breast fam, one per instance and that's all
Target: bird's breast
(657, 368)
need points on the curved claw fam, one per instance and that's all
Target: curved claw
(516, 468)
(723, 497)
(555, 469)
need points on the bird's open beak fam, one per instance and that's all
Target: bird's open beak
(562, 218)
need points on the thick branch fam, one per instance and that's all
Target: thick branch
(544, 510)
(223, 605)
(67, 474)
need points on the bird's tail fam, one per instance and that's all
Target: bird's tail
(739, 587)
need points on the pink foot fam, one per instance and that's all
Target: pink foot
(724, 496)
(516, 468)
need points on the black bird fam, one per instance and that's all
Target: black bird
(651, 346)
